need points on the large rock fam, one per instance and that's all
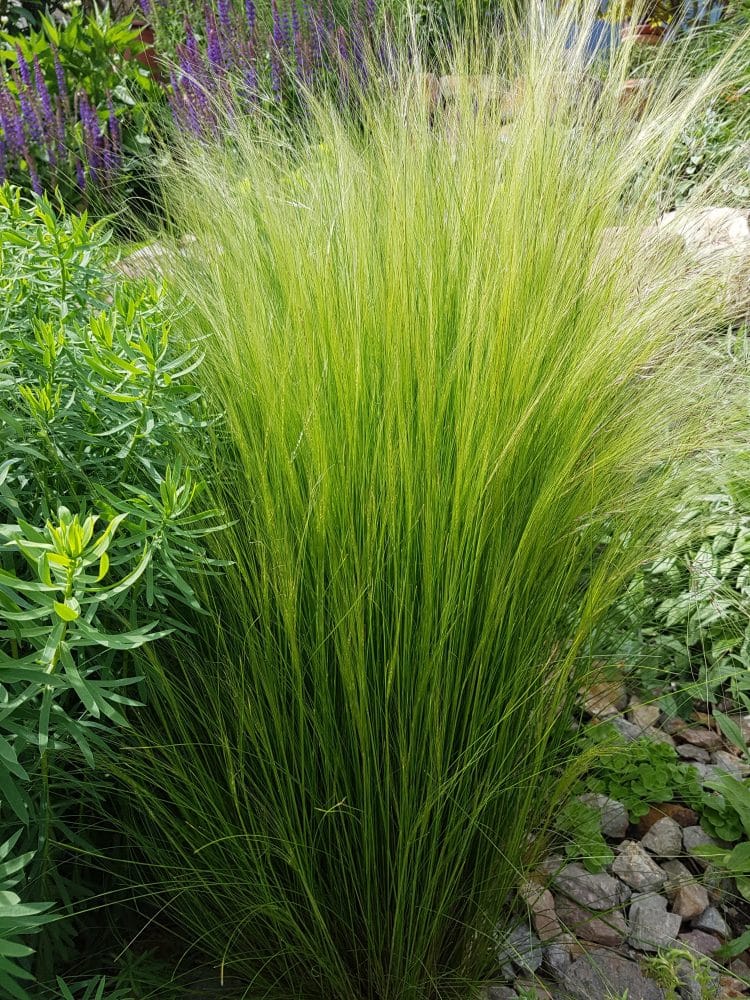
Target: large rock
(596, 891)
(613, 816)
(637, 869)
(718, 239)
(603, 974)
(664, 839)
(651, 926)
(607, 929)
(541, 904)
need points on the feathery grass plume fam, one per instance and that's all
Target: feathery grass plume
(457, 371)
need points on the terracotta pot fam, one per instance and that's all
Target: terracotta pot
(147, 57)
(643, 34)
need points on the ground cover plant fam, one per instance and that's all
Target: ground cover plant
(100, 523)
(451, 365)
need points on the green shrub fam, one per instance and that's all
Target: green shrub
(450, 364)
(100, 526)
(683, 621)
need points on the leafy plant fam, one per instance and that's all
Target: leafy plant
(102, 527)
(644, 773)
(683, 622)
(448, 368)
(580, 826)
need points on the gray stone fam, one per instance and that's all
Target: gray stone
(637, 869)
(521, 947)
(696, 836)
(557, 956)
(601, 974)
(607, 929)
(725, 761)
(701, 736)
(664, 839)
(700, 942)
(691, 753)
(711, 920)
(677, 876)
(690, 900)
(690, 988)
(541, 904)
(596, 891)
(613, 815)
(627, 730)
(651, 926)
(643, 716)
(501, 993)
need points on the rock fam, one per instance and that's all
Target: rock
(627, 730)
(680, 814)
(729, 988)
(500, 993)
(521, 947)
(677, 876)
(688, 897)
(711, 921)
(605, 699)
(608, 929)
(657, 736)
(691, 988)
(700, 942)
(603, 974)
(664, 839)
(596, 891)
(613, 815)
(636, 868)
(643, 716)
(689, 752)
(690, 900)
(728, 762)
(651, 926)
(541, 903)
(740, 969)
(707, 230)
(557, 956)
(702, 737)
(696, 836)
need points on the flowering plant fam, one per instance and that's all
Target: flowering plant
(74, 108)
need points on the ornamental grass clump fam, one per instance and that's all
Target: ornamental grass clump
(457, 373)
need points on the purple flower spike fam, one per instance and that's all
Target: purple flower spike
(80, 176)
(213, 42)
(145, 6)
(23, 67)
(62, 88)
(36, 184)
(225, 16)
(250, 17)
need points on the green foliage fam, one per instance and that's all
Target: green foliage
(444, 381)
(721, 130)
(685, 619)
(644, 773)
(580, 827)
(102, 526)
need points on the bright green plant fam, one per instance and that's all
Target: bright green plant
(580, 827)
(683, 622)
(645, 773)
(100, 527)
(450, 362)
(665, 969)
